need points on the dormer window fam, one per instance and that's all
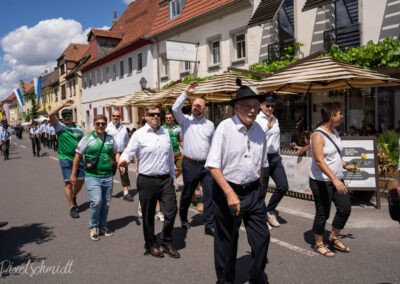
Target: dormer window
(175, 8)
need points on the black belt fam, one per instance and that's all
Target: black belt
(244, 188)
(194, 161)
(156, 176)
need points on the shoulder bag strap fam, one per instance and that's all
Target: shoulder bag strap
(327, 136)
(102, 144)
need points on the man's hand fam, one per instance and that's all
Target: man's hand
(122, 164)
(190, 89)
(68, 103)
(233, 202)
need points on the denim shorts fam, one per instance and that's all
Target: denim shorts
(66, 170)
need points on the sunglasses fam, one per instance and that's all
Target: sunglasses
(153, 114)
(100, 124)
(269, 106)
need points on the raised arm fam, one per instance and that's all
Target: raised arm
(53, 112)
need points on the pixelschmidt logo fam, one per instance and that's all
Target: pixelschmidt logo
(35, 268)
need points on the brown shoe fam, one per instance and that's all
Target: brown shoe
(155, 251)
(128, 198)
(172, 252)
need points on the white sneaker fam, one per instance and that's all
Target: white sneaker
(269, 227)
(139, 211)
(272, 220)
(159, 216)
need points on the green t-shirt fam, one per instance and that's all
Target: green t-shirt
(67, 140)
(174, 135)
(90, 146)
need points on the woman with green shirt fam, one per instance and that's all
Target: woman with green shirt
(100, 146)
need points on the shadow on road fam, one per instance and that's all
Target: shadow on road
(120, 194)
(14, 239)
(84, 206)
(117, 224)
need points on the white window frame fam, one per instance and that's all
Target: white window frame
(213, 48)
(164, 66)
(239, 45)
(175, 8)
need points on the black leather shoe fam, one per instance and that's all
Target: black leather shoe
(2, 224)
(186, 225)
(172, 252)
(209, 231)
(155, 251)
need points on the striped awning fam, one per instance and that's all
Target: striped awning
(311, 4)
(322, 75)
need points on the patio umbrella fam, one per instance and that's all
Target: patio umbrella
(322, 75)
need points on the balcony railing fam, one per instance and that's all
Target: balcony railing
(277, 50)
(348, 36)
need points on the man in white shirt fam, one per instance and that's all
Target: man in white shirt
(121, 138)
(236, 159)
(270, 124)
(197, 132)
(152, 148)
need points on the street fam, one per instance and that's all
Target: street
(42, 244)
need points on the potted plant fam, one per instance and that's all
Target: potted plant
(388, 155)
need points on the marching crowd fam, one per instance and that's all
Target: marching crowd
(233, 164)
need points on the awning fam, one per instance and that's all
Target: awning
(311, 4)
(264, 12)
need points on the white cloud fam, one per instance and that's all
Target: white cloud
(29, 51)
(128, 1)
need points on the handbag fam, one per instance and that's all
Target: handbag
(91, 164)
(394, 204)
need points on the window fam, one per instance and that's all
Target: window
(139, 62)
(107, 76)
(164, 66)
(93, 78)
(130, 65)
(175, 8)
(121, 69)
(215, 52)
(240, 46)
(98, 72)
(114, 71)
(186, 66)
(63, 92)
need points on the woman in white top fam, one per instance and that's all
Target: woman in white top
(326, 180)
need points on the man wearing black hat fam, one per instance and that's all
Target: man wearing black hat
(236, 159)
(69, 135)
(270, 124)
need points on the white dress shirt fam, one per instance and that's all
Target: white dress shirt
(119, 134)
(153, 150)
(197, 133)
(272, 135)
(237, 151)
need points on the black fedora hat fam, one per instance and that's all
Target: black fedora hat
(244, 92)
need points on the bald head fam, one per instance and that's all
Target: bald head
(198, 108)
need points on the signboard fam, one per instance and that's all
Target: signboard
(366, 178)
(181, 51)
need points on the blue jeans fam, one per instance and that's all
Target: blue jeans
(100, 191)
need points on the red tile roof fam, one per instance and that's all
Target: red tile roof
(136, 21)
(105, 33)
(28, 86)
(191, 10)
(75, 51)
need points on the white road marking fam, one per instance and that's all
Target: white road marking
(54, 158)
(22, 146)
(296, 212)
(116, 181)
(280, 243)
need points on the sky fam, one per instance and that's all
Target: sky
(34, 33)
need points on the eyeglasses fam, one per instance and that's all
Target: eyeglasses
(153, 114)
(250, 107)
(269, 106)
(116, 116)
(100, 124)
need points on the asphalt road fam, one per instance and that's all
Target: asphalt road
(42, 244)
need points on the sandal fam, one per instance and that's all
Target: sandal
(337, 244)
(326, 252)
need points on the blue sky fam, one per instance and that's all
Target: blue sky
(34, 33)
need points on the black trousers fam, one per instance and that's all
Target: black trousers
(6, 149)
(277, 172)
(150, 190)
(35, 145)
(192, 174)
(227, 224)
(324, 193)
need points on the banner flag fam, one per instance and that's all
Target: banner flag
(20, 99)
(37, 82)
